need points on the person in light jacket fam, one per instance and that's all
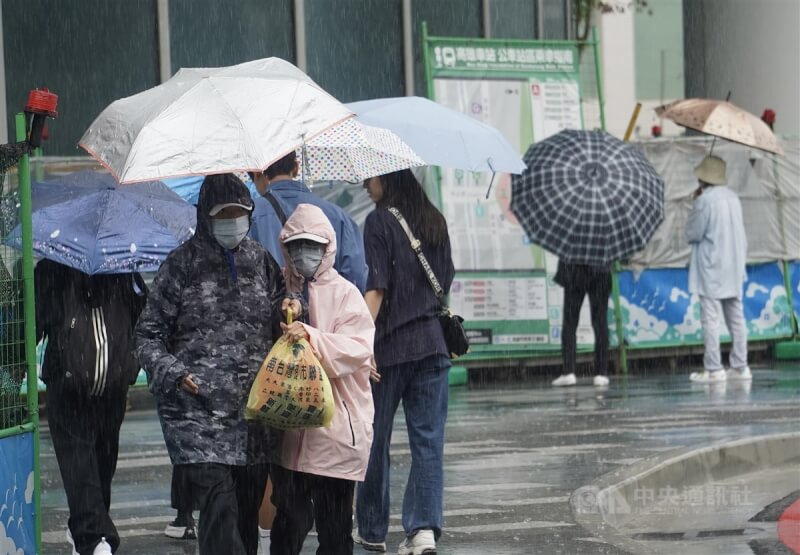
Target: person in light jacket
(715, 230)
(318, 469)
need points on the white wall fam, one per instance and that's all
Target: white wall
(618, 66)
(752, 48)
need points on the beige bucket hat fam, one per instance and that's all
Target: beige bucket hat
(711, 170)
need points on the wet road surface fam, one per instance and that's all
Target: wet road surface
(514, 454)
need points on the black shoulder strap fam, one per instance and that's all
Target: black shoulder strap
(277, 206)
(416, 246)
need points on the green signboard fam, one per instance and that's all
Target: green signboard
(528, 90)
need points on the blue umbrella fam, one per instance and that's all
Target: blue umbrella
(440, 135)
(88, 222)
(188, 188)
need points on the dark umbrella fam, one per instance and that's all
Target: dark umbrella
(87, 222)
(588, 197)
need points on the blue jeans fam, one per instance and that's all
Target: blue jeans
(422, 386)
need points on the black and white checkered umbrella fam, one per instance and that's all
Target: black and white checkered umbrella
(587, 197)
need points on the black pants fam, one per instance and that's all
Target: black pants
(228, 498)
(598, 290)
(85, 433)
(181, 490)
(301, 500)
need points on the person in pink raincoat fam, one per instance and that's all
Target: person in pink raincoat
(319, 467)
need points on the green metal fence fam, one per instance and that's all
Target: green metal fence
(19, 407)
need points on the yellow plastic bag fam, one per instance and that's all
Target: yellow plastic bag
(291, 390)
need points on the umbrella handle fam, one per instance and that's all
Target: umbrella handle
(494, 173)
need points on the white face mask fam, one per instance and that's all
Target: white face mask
(230, 232)
(306, 257)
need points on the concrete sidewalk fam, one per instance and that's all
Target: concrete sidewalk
(514, 456)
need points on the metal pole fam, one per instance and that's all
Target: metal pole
(486, 12)
(3, 115)
(598, 79)
(622, 349)
(632, 122)
(164, 49)
(300, 34)
(408, 47)
(24, 173)
(539, 19)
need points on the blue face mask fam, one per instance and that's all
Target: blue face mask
(306, 257)
(230, 232)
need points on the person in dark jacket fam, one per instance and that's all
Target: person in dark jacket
(88, 323)
(578, 280)
(213, 314)
(412, 358)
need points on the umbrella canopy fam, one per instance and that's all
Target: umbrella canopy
(85, 221)
(212, 120)
(588, 197)
(353, 152)
(441, 136)
(722, 119)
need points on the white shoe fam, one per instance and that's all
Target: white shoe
(718, 376)
(181, 529)
(565, 379)
(375, 547)
(742, 374)
(422, 542)
(264, 535)
(600, 380)
(71, 542)
(102, 548)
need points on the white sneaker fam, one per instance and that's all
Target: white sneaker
(565, 379)
(264, 535)
(375, 547)
(102, 548)
(600, 380)
(182, 528)
(71, 542)
(742, 374)
(422, 542)
(718, 376)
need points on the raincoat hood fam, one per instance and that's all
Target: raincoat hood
(223, 188)
(308, 218)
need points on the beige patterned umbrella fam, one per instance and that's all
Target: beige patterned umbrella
(722, 119)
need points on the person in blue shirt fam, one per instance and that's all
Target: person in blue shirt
(278, 181)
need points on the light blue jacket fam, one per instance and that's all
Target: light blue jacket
(350, 260)
(715, 230)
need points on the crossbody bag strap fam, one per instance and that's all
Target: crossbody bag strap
(277, 206)
(416, 246)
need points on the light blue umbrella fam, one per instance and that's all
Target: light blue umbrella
(88, 222)
(440, 135)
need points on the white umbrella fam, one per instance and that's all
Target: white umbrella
(212, 120)
(354, 152)
(440, 135)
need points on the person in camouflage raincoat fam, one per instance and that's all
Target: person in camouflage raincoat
(210, 321)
